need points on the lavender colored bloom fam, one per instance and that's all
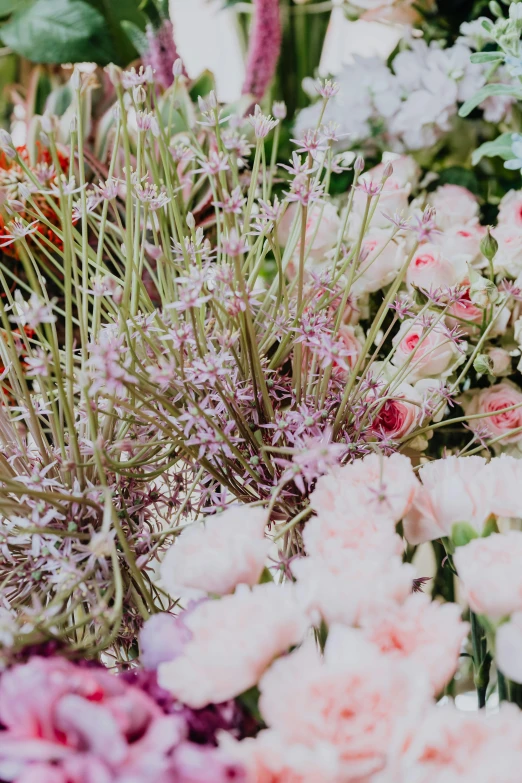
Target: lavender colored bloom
(265, 46)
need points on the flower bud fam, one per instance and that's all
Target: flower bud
(279, 110)
(489, 246)
(388, 171)
(191, 222)
(46, 123)
(429, 214)
(495, 9)
(482, 292)
(76, 81)
(358, 166)
(501, 361)
(114, 74)
(73, 127)
(6, 144)
(483, 364)
(177, 68)
(139, 95)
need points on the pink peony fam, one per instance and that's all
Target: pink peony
(363, 703)
(233, 640)
(454, 489)
(406, 171)
(431, 269)
(399, 414)
(214, 556)
(449, 746)
(454, 205)
(371, 487)
(428, 353)
(492, 402)
(350, 585)
(424, 632)
(489, 569)
(393, 198)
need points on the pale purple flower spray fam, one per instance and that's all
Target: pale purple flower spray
(264, 48)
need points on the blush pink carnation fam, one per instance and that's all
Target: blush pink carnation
(489, 569)
(214, 556)
(454, 489)
(427, 633)
(233, 640)
(350, 585)
(454, 206)
(508, 648)
(429, 353)
(505, 474)
(373, 486)
(363, 703)
(449, 746)
(270, 758)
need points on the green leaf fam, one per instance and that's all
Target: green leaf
(486, 92)
(462, 533)
(490, 527)
(250, 700)
(486, 57)
(500, 147)
(266, 576)
(10, 6)
(201, 86)
(53, 31)
(136, 36)
(458, 175)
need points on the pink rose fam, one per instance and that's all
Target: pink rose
(454, 489)
(454, 205)
(497, 422)
(430, 269)
(233, 641)
(465, 310)
(399, 414)
(355, 698)
(379, 263)
(462, 242)
(510, 209)
(501, 361)
(214, 556)
(406, 171)
(490, 573)
(392, 198)
(426, 633)
(508, 259)
(428, 352)
(351, 343)
(322, 228)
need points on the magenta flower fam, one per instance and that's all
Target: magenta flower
(265, 46)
